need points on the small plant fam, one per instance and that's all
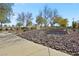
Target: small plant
(0, 29)
(33, 27)
(24, 29)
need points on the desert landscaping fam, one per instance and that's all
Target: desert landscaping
(67, 43)
(47, 30)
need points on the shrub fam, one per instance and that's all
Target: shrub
(0, 29)
(24, 29)
(33, 27)
(6, 29)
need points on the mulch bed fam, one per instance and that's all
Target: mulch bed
(68, 43)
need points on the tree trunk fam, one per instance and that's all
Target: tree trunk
(45, 25)
(1, 26)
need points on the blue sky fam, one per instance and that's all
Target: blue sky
(65, 10)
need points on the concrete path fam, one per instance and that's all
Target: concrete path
(12, 45)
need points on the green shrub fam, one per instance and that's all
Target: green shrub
(0, 29)
(33, 27)
(25, 29)
(6, 29)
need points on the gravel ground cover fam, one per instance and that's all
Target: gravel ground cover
(68, 43)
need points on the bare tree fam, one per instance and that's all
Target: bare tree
(28, 18)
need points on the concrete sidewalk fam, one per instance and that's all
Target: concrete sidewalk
(12, 45)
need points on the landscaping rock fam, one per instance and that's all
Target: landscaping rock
(65, 42)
